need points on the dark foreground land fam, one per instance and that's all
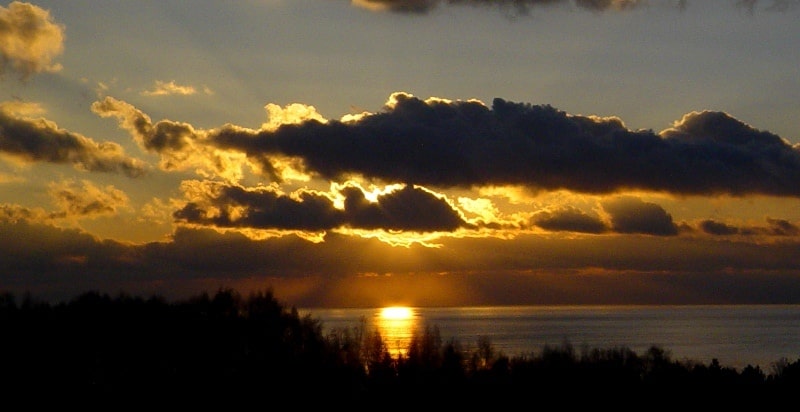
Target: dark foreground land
(225, 344)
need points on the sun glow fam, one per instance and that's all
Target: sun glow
(396, 325)
(396, 313)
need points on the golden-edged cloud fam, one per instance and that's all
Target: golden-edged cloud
(408, 209)
(437, 143)
(162, 88)
(569, 219)
(180, 145)
(86, 199)
(417, 146)
(29, 40)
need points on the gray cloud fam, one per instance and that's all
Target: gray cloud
(38, 140)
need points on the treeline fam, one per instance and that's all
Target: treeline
(226, 343)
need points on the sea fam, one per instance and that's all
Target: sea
(735, 335)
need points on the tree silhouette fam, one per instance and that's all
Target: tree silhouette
(255, 347)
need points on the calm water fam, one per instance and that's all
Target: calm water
(735, 335)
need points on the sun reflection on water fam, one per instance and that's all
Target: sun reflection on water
(396, 325)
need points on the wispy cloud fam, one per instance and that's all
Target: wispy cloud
(163, 88)
(86, 199)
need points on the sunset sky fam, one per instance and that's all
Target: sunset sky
(361, 153)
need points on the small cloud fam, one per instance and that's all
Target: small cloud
(718, 228)
(21, 108)
(170, 88)
(569, 219)
(403, 6)
(781, 227)
(12, 213)
(632, 215)
(294, 113)
(87, 199)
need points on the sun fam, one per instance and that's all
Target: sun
(397, 325)
(396, 313)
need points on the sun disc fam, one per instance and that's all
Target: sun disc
(396, 312)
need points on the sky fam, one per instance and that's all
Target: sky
(365, 153)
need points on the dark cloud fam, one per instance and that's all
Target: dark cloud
(516, 6)
(609, 4)
(783, 227)
(261, 208)
(774, 227)
(569, 219)
(466, 144)
(523, 7)
(58, 264)
(718, 228)
(632, 215)
(29, 39)
(400, 6)
(38, 140)
(408, 209)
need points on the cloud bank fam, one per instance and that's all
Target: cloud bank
(416, 150)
